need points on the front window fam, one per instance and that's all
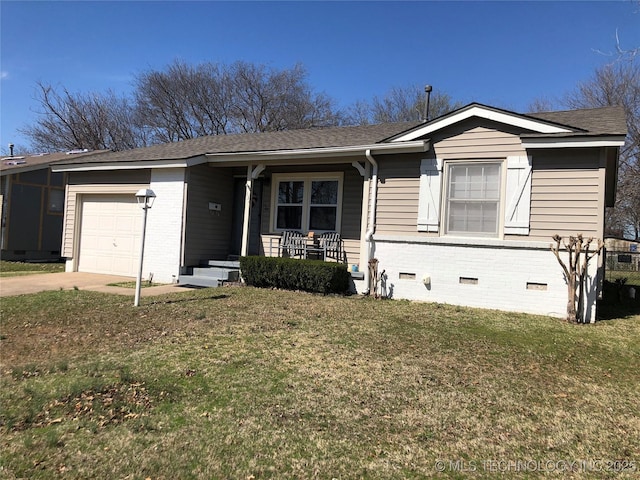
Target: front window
(290, 202)
(305, 203)
(323, 206)
(473, 198)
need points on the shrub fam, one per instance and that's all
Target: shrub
(293, 274)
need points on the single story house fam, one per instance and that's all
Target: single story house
(32, 199)
(460, 209)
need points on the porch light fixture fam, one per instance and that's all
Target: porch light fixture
(145, 198)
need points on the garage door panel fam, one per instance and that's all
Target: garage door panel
(124, 244)
(126, 226)
(110, 232)
(125, 265)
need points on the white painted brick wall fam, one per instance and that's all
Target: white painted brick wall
(163, 242)
(502, 273)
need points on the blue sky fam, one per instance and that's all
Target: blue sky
(504, 54)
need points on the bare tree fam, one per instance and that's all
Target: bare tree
(401, 104)
(575, 270)
(618, 83)
(542, 104)
(621, 52)
(94, 121)
(185, 102)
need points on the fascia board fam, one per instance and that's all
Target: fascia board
(500, 117)
(564, 142)
(25, 169)
(124, 165)
(417, 146)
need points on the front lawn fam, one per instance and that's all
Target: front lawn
(246, 383)
(12, 269)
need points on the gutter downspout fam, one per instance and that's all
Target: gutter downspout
(372, 214)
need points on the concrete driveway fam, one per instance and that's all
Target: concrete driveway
(24, 284)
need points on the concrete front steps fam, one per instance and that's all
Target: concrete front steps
(211, 273)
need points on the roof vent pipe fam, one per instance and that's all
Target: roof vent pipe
(427, 90)
(11, 149)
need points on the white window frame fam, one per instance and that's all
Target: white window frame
(307, 178)
(501, 197)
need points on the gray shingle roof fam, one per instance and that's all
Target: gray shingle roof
(42, 160)
(254, 142)
(600, 121)
(594, 121)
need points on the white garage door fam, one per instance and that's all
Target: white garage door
(110, 235)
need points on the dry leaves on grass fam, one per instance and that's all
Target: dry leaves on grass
(106, 406)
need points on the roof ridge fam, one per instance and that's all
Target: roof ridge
(577, 109)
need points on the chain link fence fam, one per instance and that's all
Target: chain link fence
(623, 267)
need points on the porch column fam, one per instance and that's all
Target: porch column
(365, 172)
(252, 174)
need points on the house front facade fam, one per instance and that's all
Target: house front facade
(459, 210)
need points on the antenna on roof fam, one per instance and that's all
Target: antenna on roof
(427, 90)
(11, 149)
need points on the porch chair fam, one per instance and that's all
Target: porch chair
(293, 243)
(331, 243)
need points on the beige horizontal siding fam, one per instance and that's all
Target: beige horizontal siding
(392, 192)
(551, 176)
(470, 140)
(545, 208)
(270, 244)
(398, 214)
(66, 249)
(567, 194)
(589, 190)
(398, 192)
(399, 187)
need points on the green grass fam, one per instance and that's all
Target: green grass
(247, 383)
(143, 284)
(12, 269)
(630, 277)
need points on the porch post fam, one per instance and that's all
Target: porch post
(252, 174)
(247, 212)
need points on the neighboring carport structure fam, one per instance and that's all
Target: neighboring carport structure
(32, 198)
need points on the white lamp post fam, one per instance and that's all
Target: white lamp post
(145, 197)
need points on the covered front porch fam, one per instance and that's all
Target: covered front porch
(313, 203)
(306, 212)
